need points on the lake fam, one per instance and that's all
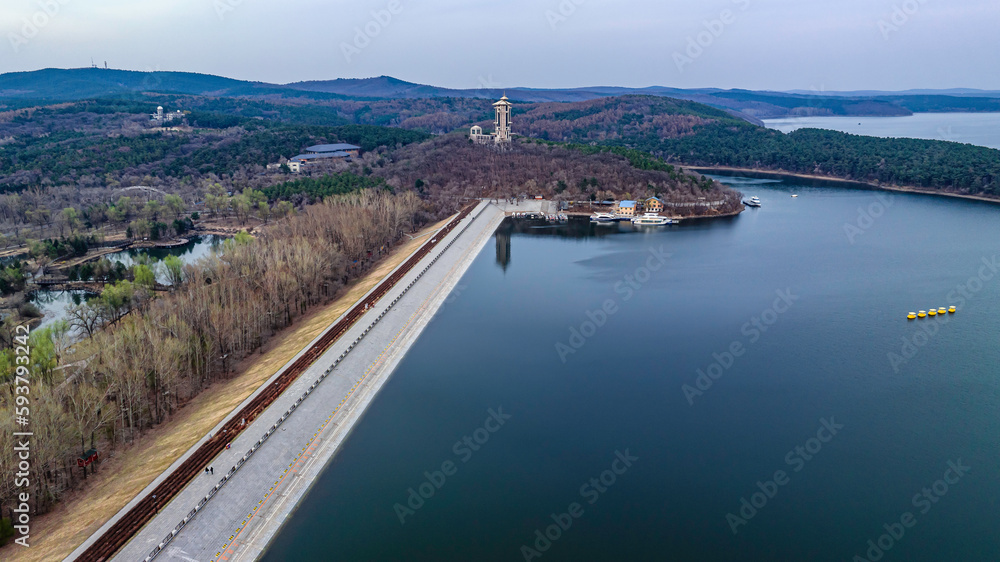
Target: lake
(55, 304)
(981, 129)
(737, 389)
(196, 248)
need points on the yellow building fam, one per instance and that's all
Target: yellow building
(626, 208)
(654, 205)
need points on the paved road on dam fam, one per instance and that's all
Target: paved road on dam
(247, 511)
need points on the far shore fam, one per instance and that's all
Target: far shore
(845, 182)
(680, 218)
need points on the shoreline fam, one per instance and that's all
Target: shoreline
(374, 356)
(260, 539)
(855, 184)
(682, 219)
(136, 466)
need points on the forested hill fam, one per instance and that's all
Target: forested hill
(101, 143)
(625, 119)
(449, 167)
(91, 142)
(82, 83)
(693, 134)
(937, 165)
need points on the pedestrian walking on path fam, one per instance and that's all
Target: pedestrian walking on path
(211, 469)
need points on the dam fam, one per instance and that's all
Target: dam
(260, 476)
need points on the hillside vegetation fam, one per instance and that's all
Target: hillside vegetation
(692, 134)
(447, 168)
(100, 142)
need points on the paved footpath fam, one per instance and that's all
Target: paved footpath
(247, 511)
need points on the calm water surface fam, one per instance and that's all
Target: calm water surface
(982, 129)
(55, 304)
(821, 353)
(197, 247)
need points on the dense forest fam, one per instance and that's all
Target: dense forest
(322, 187)
(938, 165)
(611, 119)
(71, 146)
(710, 137)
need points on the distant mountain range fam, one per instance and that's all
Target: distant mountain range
(84, 83)
(971, 92)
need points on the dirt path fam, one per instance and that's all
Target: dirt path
(56, 534)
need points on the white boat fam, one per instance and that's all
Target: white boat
(602, 217)
(752, 202)
(652, 219)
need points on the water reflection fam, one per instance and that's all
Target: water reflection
(582, 229)
(503, 243)
(196, 248)
(55, 305)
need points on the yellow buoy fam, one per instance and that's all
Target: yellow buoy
(942, 310)
(952, 310)
(911, 316)
(922, 314)
(932, 312)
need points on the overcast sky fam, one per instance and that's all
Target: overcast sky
(756, 44)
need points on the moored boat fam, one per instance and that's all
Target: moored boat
(652, 219)
(752, 202)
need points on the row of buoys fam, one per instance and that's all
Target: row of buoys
(932, 312)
